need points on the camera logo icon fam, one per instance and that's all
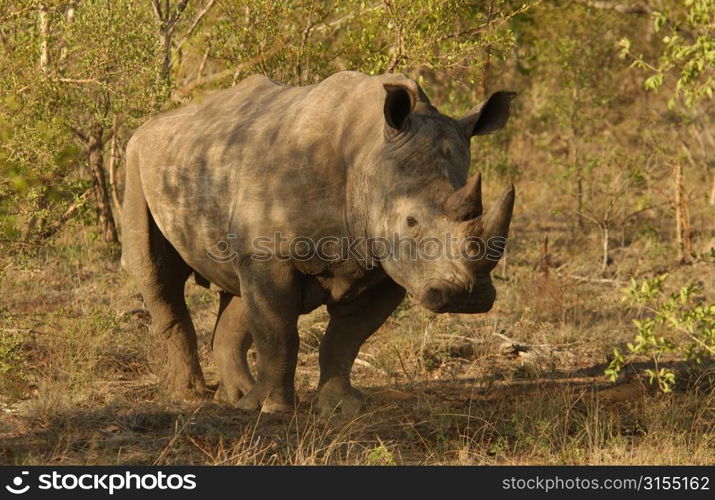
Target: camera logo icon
(16, 487)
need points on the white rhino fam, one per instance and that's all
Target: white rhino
(212, 186)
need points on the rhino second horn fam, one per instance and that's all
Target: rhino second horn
(466, 202)
(498, 218)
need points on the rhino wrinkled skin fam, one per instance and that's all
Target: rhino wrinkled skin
(353, 157)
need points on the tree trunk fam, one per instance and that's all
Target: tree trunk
(36, 221)
(70, 11)
(687, 235)
(69, 18)
(165, 41)
(167, 16)
(44, 38)
(113, 166)
(683, 237)
(573, 160)
(101, 194)
(579, 196)
(573, 155)
(604, 259)
(487, 57)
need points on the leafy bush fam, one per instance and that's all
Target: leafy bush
(13, 360)
(678, 323)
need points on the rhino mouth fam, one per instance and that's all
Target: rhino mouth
(441, 298)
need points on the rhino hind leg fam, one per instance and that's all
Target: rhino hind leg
(163, 293)
(183, 374)
(231, 342)
(160, 274)
(349, 327)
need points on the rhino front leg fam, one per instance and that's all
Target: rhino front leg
(350, 325)
(271, 300)
(231, 342)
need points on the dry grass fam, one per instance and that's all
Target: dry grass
(77, 363)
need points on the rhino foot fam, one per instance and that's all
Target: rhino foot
(265, 399)
(276, 406)
(341, 396)
(224, 396)
(191, 389)
(185, 382)
(182, 372)
(233, 388)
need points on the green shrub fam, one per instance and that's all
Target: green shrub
(674, 323)
(12, 359)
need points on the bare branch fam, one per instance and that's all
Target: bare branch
(640, 210)
(594, 280)
(157, 9)
(197, 20)
(200, 71)
(80, 135)
(350, 16)
(4, 39)
(56, 225)
(173, 19)
(79, 80)
(181, 7)
(16, 13)
(592, 218)
(181, 93)
(640, 8)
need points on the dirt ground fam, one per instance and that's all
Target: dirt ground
(523, 384)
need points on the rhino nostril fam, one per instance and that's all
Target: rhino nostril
(434, 299)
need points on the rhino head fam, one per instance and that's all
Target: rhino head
(442, 244)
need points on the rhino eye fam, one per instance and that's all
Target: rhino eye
(411, 222)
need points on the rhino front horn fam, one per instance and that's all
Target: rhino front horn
(498, 218)
(466, 202)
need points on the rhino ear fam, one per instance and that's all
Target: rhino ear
(489, 116)
(399, 103)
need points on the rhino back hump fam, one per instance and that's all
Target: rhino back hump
(253, 160)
